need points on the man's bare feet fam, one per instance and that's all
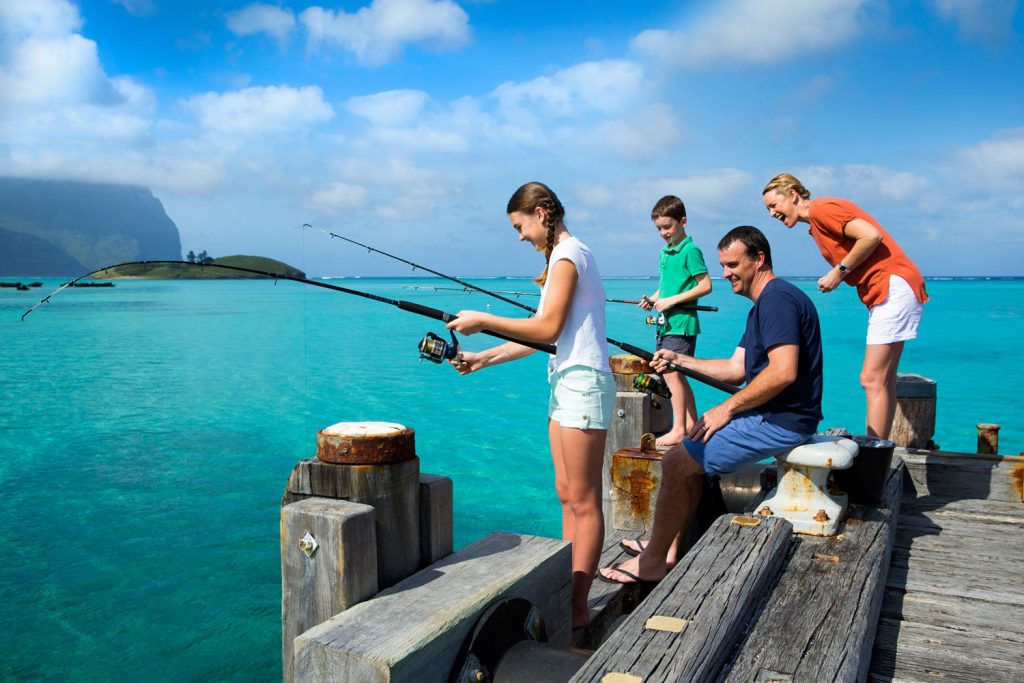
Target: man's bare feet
(628, 572)
(635, 546)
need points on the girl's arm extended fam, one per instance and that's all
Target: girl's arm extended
(543, 328)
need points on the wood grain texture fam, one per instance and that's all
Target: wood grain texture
(716, 588)
(393, 489)
(340, 573)
(963, 476)
(436, 535)
(819, 622)
(412, 631)
(632, 417)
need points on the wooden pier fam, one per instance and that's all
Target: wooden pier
(920, 587)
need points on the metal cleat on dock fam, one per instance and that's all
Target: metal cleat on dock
(802, 496)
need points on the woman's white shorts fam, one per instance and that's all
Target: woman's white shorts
(582, 397)
(895, 319)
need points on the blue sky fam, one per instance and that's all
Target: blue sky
(407, 124)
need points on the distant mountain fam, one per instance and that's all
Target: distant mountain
(185, 271)
(60, 227)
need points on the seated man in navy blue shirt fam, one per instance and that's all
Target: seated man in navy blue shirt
(779, 357)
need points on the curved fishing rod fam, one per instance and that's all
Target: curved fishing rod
(628, 348)
(410, 306)
(423, 268)
(685, 307)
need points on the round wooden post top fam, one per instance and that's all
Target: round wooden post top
(628, 364)
(365, 443)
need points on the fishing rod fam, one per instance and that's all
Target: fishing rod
(432, 347)
(628, 348)
(423, 268)
(684, 307)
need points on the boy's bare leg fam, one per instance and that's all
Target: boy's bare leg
(684, 410)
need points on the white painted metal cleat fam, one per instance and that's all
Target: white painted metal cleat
(802, 496)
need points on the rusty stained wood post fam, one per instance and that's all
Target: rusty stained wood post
(636, 480)
(913, 425)
(988, 439)
(632, 417)
(359, 499)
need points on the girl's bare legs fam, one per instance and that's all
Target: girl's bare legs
(578, 456)
(878, 377)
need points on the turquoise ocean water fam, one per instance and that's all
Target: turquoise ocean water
(148, 430)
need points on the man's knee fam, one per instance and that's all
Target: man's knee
(677, 462)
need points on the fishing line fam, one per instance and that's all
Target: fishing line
(684, 307)
(628, 348)
(410, 306)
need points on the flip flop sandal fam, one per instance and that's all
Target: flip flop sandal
(633, 551)
(644, 585)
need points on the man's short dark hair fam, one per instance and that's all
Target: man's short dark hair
(669, 206)
(753, 240)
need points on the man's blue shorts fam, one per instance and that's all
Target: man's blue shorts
(747, 439)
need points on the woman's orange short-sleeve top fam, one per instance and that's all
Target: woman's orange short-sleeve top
(828, 216)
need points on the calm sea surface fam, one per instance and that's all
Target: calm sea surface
(148, 430)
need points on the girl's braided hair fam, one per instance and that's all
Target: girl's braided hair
(526, 200)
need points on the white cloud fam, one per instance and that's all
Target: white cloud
(140, 8)
(979, 20)
(391, 108)
(605, 86)
(994, 164)
(48, 71)
(38, 19)
(378, 33)
(261, 18)
(706, 192)
(869, 183)
(755, 32)
(336, 198)
(647, 133)
(259, 111)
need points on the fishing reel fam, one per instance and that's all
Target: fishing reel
(653, 386)
(656, 319)
(437, 350)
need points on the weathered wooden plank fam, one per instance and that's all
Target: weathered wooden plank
(315, 478)
(922, 653)
(997, 586)
(819, 623)
(950, 511)
(715, 588)
(435, 518)
(959, 476)
(989, 542)
(340, 573)
(412, 632)
(981, 619)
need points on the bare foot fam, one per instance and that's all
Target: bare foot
(670, 438)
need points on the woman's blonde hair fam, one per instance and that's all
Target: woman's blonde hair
(783, 183)
(526, 200)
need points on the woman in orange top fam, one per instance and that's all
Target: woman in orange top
(865, 256)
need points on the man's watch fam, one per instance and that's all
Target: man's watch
(843, 270)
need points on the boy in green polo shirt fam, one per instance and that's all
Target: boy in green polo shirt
(682, 278)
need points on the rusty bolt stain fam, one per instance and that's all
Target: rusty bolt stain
(1017, 480)
(821, 516)
(765, 511)
(821, 557)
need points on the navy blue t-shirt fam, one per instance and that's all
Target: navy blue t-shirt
(783, 314)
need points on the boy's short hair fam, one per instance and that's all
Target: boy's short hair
(669, 206)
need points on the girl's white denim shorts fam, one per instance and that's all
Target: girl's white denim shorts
(581, 397)
(895, 319)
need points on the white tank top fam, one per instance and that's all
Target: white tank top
(582, 341)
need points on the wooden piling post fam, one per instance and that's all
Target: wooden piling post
(914, 422)
(632, 417)
(988, 439)
(328, 564)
